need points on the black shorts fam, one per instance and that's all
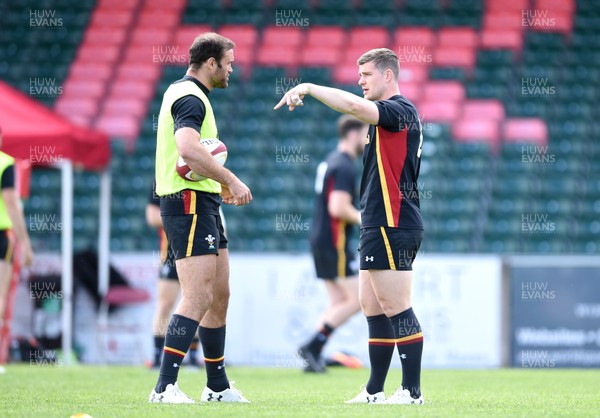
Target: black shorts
(6, 246)
(332, 264)
(168, 270)
(197, 234)
(383, 248)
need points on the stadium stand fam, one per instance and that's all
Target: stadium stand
(493, 148)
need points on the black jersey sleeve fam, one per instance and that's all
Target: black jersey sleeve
(8, 178)
(392, 115)
(153, 198)
(188, 112)
(343, 178)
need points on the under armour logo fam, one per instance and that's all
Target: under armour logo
(402, 356)
(372, 400)
(175, 365)
(367, 258)
(212, 398)
(220, 367)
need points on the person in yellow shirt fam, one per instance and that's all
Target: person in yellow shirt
(11, 221)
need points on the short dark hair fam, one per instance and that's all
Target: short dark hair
(208, 45)
(383, 58)
(348, 123)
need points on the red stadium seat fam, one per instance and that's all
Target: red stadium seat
(152, 36)
(142, 54)
(503, 21)
(185, 35)
(411, 91)
(132, 89)
(158, 19)
(444, 91)
(80, 106)
(454, 56)
(278, 56)
(110, 19)
(350, 56)
(566, 6)
(346, 74)
(89, 88)
(145, 72)
(469, 130)
(98, 54)
(457, 37)
(503, 5)
(243, 56)
(438, 111)
(411, 74)
(119, 126)
(86, 71)
(553, 22)
(117, 5)
(530, 130)
(123, 106)
(104, 36)
(502, 39)
(369, 37)
(422, 36)
(282, 36)
(244, 36)
(483, 109)
(176, 5)
(320, 56)
(326, 36)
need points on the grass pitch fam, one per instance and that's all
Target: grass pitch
(33, 391)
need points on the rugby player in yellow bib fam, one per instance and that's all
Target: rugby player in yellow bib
(190, 217)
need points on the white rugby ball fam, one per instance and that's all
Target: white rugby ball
(215, 147)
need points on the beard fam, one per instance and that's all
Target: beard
(219, 80)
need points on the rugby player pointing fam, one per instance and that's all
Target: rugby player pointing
(391, 224)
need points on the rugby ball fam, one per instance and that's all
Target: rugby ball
(215, 147)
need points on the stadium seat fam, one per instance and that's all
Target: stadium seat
(119, 126)
(85, 71)
(468, 130)
(92, 89)
(185, 35)
(105, 36)
(454, 56)
(448, 91)
(483, 109)
(278, 55)
(326, 36)
(504, 20)
(567, 6)
(525, 130)
(114, 5)
(288, 37)
(145, 72)
(502, 38)
(158, 18)
(153, 36)
(244, 36)
(105, 18)
(421, 36)
(346, 74)
(411, 91)
(457, 37)
(438, 111)
(501, 5)
(368, 37)
(98, 54)
(320, 56)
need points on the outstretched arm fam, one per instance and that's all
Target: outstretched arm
(339, 100)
